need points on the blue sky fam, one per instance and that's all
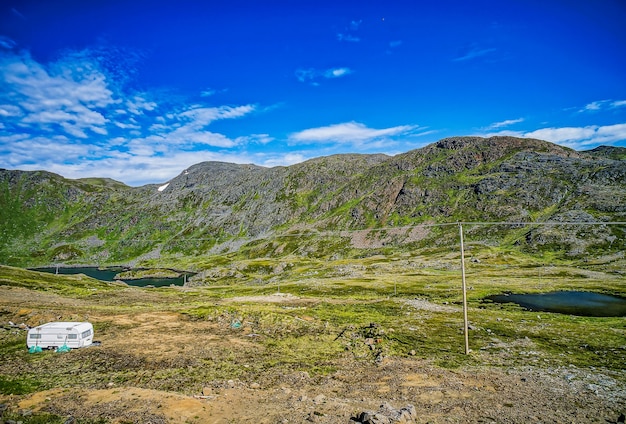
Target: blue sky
(140, 90)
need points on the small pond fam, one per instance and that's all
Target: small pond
(580, 303)
(108, 274)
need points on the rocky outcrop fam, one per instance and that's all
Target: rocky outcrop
(214, 207)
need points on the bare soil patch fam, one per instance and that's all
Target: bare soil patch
(157, 368)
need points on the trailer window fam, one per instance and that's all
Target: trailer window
(72, 336)
(35, 336)
(86, 333)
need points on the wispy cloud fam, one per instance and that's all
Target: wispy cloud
(70, 96)
(313, 76)
(6, 43)
(348, 37)
(577, 138)
(71, 116)
(473, 52)
(285, 159)
(354, 133)
(337, 72)
(208, 92)
(354, 25)
(17, 13)
(603, 105)
(505, 123)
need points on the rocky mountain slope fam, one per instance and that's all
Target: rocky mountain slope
(213, 207)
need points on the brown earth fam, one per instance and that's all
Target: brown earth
(467, 394)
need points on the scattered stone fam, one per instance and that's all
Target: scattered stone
(387, 414)
(312, 417)
(319, 399)
(25, 412)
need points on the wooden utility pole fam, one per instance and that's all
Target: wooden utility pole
(465, 322)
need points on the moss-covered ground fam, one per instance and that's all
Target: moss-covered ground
(319, 318)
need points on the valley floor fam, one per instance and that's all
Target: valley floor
(159, 363)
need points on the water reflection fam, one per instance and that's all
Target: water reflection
(108, 274)
(568, 302)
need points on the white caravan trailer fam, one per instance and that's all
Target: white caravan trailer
(57, 334)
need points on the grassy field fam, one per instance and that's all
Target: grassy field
(363, 315)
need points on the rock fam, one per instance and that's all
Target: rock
(255, 386)
(387, 415)
(312, 417)
(319, 399)
(25, 412)
(207, 391)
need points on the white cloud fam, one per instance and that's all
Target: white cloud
(71, 118)
(348, 37)
(7, 43)
(9, 111)
(473, 52)
(578, 138)
(602, 105)
(203, 116)
(349, 132)
(70, 95)
(505, 123)
(337, 72)
(313, 75)
(354, 25)
(137, 105)
(284, 160)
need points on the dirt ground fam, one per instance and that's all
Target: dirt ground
(440, 395)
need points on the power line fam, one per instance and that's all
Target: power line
(379, 229)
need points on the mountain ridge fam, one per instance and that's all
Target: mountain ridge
(214, 207)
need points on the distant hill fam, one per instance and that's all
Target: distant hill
(215, 207)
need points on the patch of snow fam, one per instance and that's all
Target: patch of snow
(163, 187)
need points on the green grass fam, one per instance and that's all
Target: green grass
(333, 321)
(18, 385)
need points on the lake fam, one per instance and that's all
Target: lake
(568, 302)
(108, 274)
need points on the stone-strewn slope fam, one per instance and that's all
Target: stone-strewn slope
(45, 218)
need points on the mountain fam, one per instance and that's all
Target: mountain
(324, 207)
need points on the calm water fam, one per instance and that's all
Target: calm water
(108, 274)
(568, 302)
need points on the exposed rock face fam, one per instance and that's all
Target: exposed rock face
(212, 207)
